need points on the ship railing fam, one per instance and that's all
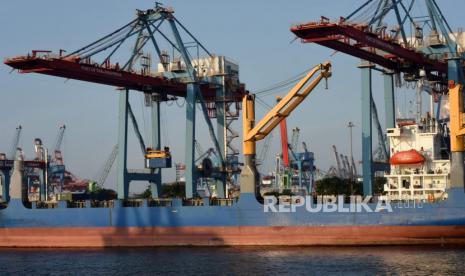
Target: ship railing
(160, 202)
(135, 203)
(45, 205)
(102, 204)
(193, 202)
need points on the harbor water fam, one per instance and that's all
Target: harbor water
(235, 261)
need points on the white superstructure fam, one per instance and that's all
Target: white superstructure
(419, 162)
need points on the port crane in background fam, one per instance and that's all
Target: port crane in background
(391, 36)
(208, 80)
(295, 139)
(340, 173)
(57, 167)
(344, 169)
(262, 155)
(302, 169)
(102, 175)
(14, 146)
(292, 167)
(58, 141)
(254, 132)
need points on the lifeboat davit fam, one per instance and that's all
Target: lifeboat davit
(409, 157)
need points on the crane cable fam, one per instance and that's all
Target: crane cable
(266, 91)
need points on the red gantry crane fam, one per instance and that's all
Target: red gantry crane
(400, 38)
(209, 80)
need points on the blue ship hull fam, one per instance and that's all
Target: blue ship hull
(245, 223)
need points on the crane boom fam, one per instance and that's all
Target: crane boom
(285, 106)
(253, 133)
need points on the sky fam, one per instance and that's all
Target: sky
(253, 33)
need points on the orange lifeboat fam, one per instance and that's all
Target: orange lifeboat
(409, 157)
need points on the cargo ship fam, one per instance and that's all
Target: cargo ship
(251, 220)
(428, 215)
(245, 222)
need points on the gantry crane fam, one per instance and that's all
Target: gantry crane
(421, 46)
(254, 132)
(198, 79)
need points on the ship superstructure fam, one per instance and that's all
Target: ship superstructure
(419, 166)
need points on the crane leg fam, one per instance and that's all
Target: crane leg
(43, 186)
(122, 174)
(191, 183)
(155, 186)
(221, 129)
(389, 100)
(367, 155)
(389, 104)
(457, 170)
(249, 175)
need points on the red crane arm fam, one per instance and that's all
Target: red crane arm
(284, 142)
(73, 68)
(358, 41)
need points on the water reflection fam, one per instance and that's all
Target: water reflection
(235, 261)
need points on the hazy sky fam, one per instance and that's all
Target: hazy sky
(253, 33)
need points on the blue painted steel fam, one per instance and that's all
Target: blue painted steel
(154, 42)
(190, 176)
(135, 126)
(122, 177)
(221, 129)
(155, 186)
(367, 154)
(191, 99)
(389, 101)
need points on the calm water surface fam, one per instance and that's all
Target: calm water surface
(235, 261)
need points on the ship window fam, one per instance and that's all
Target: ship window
(405, 184)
